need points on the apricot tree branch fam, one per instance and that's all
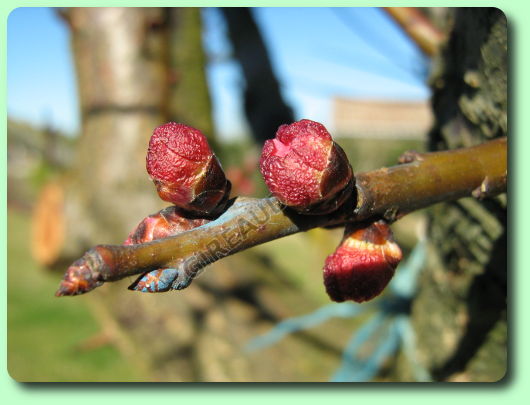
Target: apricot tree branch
(420, 180)
(418, 27)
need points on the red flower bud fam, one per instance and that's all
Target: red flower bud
(305, 169)
(363, 264)
(168, 222)
(185, 170)
(165, 223)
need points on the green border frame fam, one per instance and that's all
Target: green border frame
(514, 386)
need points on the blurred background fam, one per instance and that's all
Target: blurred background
(86, 87)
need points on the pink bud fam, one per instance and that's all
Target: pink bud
(165, 223)
(363, 264)
(305, 169)
(185, 170)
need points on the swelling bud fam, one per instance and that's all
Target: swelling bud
(363, 264)
(166, 223)
(305, 170)
(185, 171)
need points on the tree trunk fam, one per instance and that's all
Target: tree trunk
(137, 68)
(121, 71)
(460, 313)
(263, 103)
(189, 98)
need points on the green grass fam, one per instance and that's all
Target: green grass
(44, 332)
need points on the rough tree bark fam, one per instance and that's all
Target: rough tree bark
(460, 314)
(200, 337)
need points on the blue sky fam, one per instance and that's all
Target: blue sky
(41, 83)
(317, 54)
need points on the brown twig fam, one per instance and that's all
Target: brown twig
(418, 27)
(419, 181)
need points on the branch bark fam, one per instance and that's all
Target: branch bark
(418, 27)
(389, 193)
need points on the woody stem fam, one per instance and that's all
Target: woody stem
(389, 193)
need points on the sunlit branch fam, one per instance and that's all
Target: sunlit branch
(420, 180)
